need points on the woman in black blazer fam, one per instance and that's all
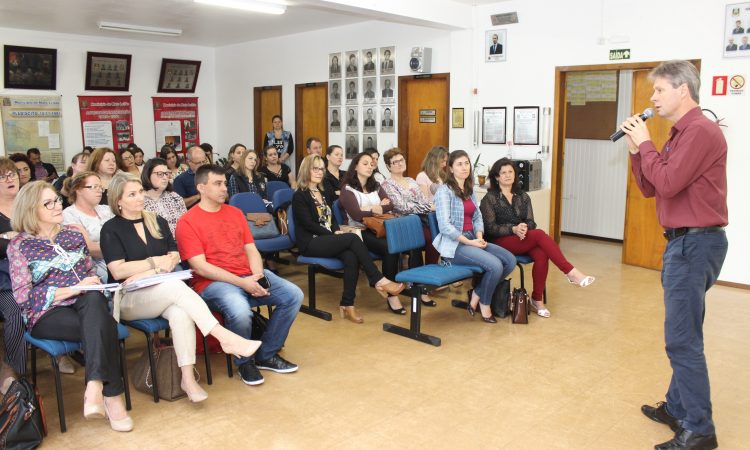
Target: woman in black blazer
(318, 235)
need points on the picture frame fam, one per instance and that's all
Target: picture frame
(736, 39)
(369, 61)
(526, 125)
(107, 72)
(30, 68)
(496, 46)
(334, 66)
(351, 64)
(178, 76)
(387, 57)
(493, 125)
(457, 118)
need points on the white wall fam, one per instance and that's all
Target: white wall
(144, 78)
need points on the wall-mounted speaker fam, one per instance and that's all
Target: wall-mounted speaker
(421, 60)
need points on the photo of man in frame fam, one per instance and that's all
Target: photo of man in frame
(352, 65)
(368, 61)
(352, 146)
(387, 62)
(334, 65)
(334, 120)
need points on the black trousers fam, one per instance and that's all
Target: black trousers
(15, 345)
(88, 321)
(352, 251)
(380, 246)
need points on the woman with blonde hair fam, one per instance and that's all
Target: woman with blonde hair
(137, 244)
(247, 178)
(48, 262)
(234, 159)
(103, 162)
(433, 172)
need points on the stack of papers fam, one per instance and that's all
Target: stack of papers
(98, 287)
(156, 279)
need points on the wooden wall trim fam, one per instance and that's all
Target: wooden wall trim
(733, 285)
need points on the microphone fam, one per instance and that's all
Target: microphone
(647, 114)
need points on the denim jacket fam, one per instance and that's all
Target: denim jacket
(450, 217)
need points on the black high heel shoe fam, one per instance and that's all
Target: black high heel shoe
(469, 309)
(400, 311)
(431, 303)
(490, 319)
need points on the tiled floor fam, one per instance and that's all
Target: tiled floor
(574, 381)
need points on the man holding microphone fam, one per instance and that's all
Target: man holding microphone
(688, 179)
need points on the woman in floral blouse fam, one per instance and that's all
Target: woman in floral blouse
(159, 197)
(48, 263)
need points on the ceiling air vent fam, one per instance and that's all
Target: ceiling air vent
(504, 19)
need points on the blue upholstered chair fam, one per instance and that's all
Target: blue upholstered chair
(273, 186)
(55, 348)
(250, 202)
(404, 234)
(281, 198)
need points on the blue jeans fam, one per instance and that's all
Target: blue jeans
(691, 266)
(497, 263)
(234, 304)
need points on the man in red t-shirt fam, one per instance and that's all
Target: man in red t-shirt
(215, 240)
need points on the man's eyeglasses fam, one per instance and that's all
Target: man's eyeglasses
(95, 187)
(10, 176)
(163, 174)
(50, 204)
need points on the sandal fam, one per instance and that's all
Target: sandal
(541, 312)
(431, 303)
(588, 280)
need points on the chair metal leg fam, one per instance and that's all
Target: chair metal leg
(310, 307)
(152, 364)
(207, 358)
(58, 392)
(520, 269)
(230, 372)
(124, 371)
(415, 321)
(33, 365)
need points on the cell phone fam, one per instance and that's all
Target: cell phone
(264, 283)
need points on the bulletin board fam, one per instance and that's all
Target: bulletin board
(591, 104)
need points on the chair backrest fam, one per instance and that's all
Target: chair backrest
(281, 198)
(248, 202)
(290, 219)
(432, 220)
(404, 234)
(274, 186)
(338, 213)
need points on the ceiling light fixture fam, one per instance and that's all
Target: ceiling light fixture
(266, 7)
(111, 26)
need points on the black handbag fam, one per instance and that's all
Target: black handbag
(22, 423)
(259, 325)
(500, 298)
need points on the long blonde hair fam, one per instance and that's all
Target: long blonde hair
(114, 194)
(432, 162)
(25, 217)
(303, 176)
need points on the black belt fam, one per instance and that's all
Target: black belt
(673, 233)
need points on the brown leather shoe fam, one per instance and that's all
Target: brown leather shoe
(390, 288)
(349, 312)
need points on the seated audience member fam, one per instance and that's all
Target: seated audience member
(138, 244)
(461, 237)
(46, 261)
(233, 159)
(103, 162)
(159, 198)
(139, 158)
(361, 197)
(432, 175)
(247, 178)
(169, 155)
(332, 180)
(509, 223)
(407, 197)
(25, 168)
(318, 235)
(88, 150)
(273, 170)
(184, 184)
(228, 273)
(42, 170)
(127, 162)
(78, 164)
(379, 177)
(208, 150)
(89, 215)
(14, 363)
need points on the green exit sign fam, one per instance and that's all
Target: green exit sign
(623, 53)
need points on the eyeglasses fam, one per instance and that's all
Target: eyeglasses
(95, 187)
(50, 204)
(163, 174)
(10, 176)
(318, 169)
(201, 163)
(127, 158)
(396, 162)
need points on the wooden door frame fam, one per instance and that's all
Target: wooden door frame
(403, 119)
(257, 124)
(300, 146)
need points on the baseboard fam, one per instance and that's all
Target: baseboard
(733, 285)
(586, 236)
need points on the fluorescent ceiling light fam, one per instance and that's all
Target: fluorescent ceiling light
(266, 7)
(111, 26)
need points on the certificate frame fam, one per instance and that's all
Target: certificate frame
(494, 119)
(457, 118)
(534, 127)
(101, 66)
(178, 76)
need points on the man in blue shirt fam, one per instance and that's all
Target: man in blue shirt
(184, 184)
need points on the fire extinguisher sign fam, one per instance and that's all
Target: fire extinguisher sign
(720, 85)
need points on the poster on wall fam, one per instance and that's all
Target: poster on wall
(176, 122)
(737, 30)
(106, 121)
(34, 121)
(495, 46)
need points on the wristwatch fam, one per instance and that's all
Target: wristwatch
(5, 236)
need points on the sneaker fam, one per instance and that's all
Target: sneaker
(277, 364)
(250, 374)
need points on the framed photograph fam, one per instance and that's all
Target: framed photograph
(369, 141)
(334, 120)
(369, 61)
(737, 30)
(352, 64)
(526, 125)
(496, 46)
(334, 65)
(352, 91)
(334, 92)
(493, 125)
(388, 123)
(30, 68)
(386, 89)
(351, 147)
(352, 118)
(387, 63)
(457, 118)
(107, 72)
(369, 120)
(368, 90)
(178, 75)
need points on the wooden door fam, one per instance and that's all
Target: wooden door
(266, 104)
(311, 116)
(423, 116)
(643, 242)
